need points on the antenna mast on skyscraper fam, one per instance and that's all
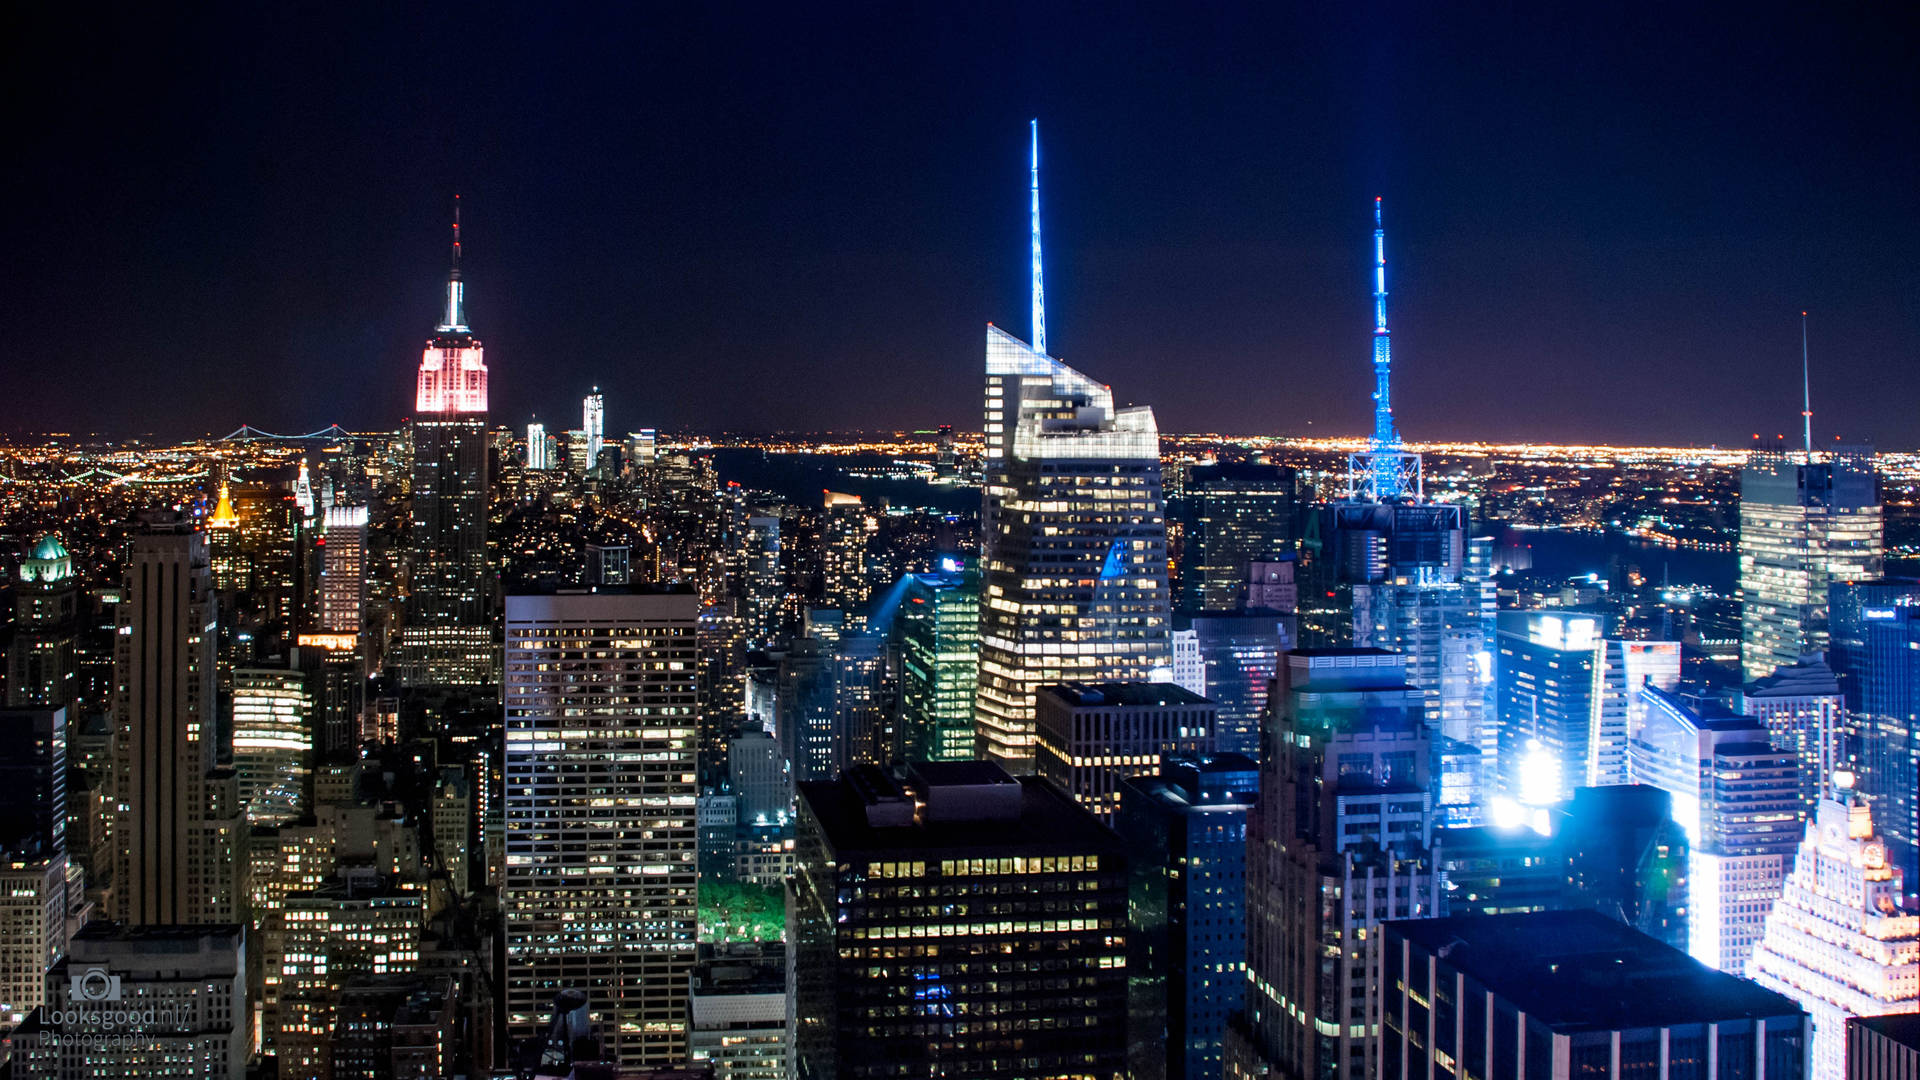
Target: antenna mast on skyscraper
(1385, 470)
(1806, 391)
(1039, 290)
(456, 315)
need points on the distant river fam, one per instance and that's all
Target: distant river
(802, 477)
(1569, 552)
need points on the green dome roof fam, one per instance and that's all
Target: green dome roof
(49, 547)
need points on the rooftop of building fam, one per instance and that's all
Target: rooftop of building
(1581, 971)
(1123, 693)
(971, 807)
(1903, 1029)
(1811, 677)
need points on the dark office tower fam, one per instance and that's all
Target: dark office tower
(1883, 1047)
(1340, 842)
(178, 822)
(600, 815)
(806, 713)
(448, 637)
(46, 629)
(966, 924)
(1092, 735)
(1884, 670)
(1556, 994)
(1232, 515)
(1805, 525)
(1501, 870)
(1073, 535)
(938, 627)
(1239, 654)
(1186, 834)
(33, 783)
(609, 564)
(1627, 858)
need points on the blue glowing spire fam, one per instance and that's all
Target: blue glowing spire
(1384, 435)
(1806, 390)
(1039, 290)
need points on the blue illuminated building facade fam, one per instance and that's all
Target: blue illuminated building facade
(1876, 632)
(1186, 833)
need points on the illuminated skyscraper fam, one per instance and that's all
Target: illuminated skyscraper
(938, 624)
(1738, 798)
(343, 571)
(1837, 940)
(178, 825)
(448, 637)
(1386, 568)
(539, 447)
(1073, 537)
(600, 815)
(844, 555)
(593, 421)
(1232, 516)
(1805, 525)
(1805, 712)
(1877, 632)
(46, 629)
(272, 742)
(1340, 841)
(760, 588)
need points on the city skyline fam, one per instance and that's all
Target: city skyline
(745, 228)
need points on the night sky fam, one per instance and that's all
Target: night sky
(1602, 224)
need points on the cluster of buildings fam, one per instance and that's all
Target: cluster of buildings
(475, 752)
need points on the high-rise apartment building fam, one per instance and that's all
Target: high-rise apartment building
(601, 691)
(1837, 941)
(178, 825)
(1186, 832)
(938, 628)
(1232, 515)
(1805, 525)
(1570, 993)
(46, 629)
(447, 640)
(323, 941)
(967, 924)
(761, 591)
(40, 888)
(1738, 798)
(1340, 842)
(1074, 549)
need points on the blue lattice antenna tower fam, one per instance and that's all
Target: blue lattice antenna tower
(1385, 470)
(1039, 290)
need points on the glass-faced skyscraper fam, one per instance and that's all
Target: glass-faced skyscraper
(938, 624)
(1073, 533)
(448, 637)
(1804, 526)
(1074, 542)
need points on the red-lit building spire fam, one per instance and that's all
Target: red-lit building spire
(453, 371)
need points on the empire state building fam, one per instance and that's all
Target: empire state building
(447, 640)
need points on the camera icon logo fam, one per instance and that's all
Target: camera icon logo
(94, 984)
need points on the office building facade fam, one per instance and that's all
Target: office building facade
(1093, 735)
(938, 627)
(46, 629)
(1232, 515)
(601, 835)
(965, 924)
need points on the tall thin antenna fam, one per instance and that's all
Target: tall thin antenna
(1039, 290)
(456, 237)
(1385, 437)
(456, 313)
(1806, 391)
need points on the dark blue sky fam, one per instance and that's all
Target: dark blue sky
(1603, 223)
